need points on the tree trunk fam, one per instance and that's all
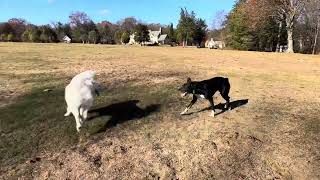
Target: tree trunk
(289, 26)
(316, 38)
(279, 36)
(290, 40)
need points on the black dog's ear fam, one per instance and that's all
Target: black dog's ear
(189, 80)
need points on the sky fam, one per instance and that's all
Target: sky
(41, 12)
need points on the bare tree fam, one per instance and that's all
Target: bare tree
(290, 10)
(219, 19)
(79, 18)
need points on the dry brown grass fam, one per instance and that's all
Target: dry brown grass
(276, 135)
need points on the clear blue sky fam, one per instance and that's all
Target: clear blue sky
(149, 11)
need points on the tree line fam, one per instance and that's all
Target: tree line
(82, 29)
(256, 25)
(268, 25)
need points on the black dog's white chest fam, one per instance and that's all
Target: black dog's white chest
(201, 96)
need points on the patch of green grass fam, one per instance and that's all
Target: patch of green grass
(34, 122)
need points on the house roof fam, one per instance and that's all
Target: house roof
(66, 38)
(162, 37)
(155, 33)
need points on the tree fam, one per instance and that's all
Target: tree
(19, 26)
(105, 32)
(78, 18)
(290, 10)
(81, 25)
(34, 35)
(200, 31)
(128, 24)
(93, 37)
(62, 30)
(25, 37)
(6, 28)
(3, 37)
(171, 34)
(125, 37)
(219, 19)
(239, 36)
(48, 35)
(141, 33)
(186, 26)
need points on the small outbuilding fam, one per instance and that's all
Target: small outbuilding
(66, 39)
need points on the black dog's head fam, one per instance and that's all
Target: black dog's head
(186, 88)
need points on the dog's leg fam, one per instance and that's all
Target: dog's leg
(78, 118)
(227, 98)
(85, 113)
(212, 106)
(81, 112)
(194, 100)
(225, 94)
(68, 112)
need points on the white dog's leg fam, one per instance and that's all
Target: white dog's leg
(85, 113)
(78, 118)
(81, 111)
(68, 112)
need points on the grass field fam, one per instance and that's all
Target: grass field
(135, 130)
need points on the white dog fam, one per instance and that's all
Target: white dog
(79, 96)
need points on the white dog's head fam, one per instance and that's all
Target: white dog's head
(85, 77)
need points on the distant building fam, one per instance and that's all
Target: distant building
(155, 38)
(215, 44)
(66, 39)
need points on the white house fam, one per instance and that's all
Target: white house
(66, 39)
(155, 37)
(215, 44)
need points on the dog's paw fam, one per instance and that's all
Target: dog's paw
(212, 114)
(228, 108)
(67, 114)
(184, 112)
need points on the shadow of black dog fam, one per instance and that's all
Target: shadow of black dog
(233, 105)
(122, 112)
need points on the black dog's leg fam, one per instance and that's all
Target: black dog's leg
(210, 98)
(225, 94)
(194, 100)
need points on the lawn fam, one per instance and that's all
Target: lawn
(135, 130)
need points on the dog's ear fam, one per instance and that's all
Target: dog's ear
(189, 80)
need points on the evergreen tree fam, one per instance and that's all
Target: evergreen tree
(239, 36)
(200, 31)
(141, 33)
(125, 37)
(171, 34)
(186, 27)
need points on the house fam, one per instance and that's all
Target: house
(215, 44)
(132, 41)
(66, 39)
(156, 37)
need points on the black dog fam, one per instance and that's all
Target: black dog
(206, 89)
